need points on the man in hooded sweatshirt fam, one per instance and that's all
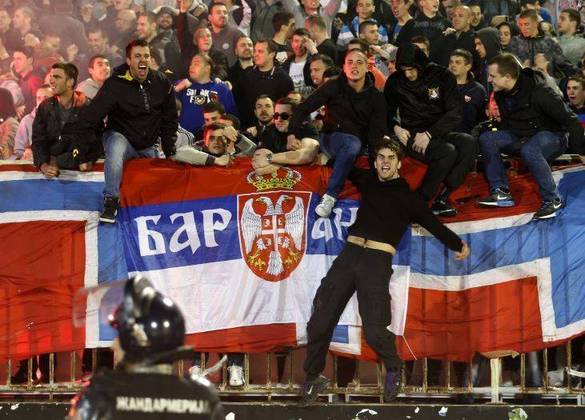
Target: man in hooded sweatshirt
(487, 46)
(425, 95)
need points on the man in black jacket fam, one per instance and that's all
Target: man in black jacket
(263, 78)
(461, 38)
(140, 106)
(425, 94)
(278, 147)
(474, 95)
(52, 130)
(535, 123)
(364, 266)
(429, 23)
(355, 113)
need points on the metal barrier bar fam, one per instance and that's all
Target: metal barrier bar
(366, 382)
(495, 365)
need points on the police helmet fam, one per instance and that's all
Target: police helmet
(149, 324)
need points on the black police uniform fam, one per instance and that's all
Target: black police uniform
(147, 395)
(151, 331)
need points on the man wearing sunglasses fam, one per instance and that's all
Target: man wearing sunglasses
(279, 147)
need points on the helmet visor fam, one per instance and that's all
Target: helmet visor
(96, 306)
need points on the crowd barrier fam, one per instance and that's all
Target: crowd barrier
(351, 380)
(149, 187)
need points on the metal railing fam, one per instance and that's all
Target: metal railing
(423, 379)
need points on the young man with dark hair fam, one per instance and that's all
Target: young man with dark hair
(477, 18)
(282, 148)
(532, 42)
(364, 266)
(211, 150)
(97, 41)
(263, 78)
(576, 96)
(474, 95)
(284, 26)
(317, 67)
(571, 43)
(140, 106)
(99, 70)
(165, 44)
(403, 19)
(297, 66)
(53, 126)
(428, 23)
(487, 46)
(423, 43)
(364, 11)
(535, 123)
(244, 50)
(28, 78)
(224, 34)
(264, 113)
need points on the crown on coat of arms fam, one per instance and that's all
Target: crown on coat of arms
(275, 180)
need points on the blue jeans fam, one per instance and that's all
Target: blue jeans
(344, 148)
(534, 153)
(119, 150)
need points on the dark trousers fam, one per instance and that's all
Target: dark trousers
(449, 160)
(368, 272)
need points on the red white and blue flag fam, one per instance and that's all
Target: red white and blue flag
(243, 256)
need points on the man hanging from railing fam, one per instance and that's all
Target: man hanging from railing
(364, 266)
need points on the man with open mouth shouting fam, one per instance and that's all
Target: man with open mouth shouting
(388, 207)
(139, 104)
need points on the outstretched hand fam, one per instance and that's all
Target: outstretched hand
(464, 253)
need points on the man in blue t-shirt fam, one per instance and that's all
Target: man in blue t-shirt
(198, 90)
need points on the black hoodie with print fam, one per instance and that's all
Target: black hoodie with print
(429, 103)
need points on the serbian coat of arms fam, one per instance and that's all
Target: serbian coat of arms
(272, 228)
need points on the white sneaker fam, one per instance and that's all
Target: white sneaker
(556, 377)
(195, 372)
(326, 205)
(236, 374)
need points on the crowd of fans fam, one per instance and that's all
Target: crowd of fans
(292, 82)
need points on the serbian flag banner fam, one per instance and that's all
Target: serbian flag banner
(243, 255)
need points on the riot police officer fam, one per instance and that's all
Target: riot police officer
(151, 332)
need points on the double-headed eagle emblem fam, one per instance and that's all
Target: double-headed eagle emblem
(275, 232)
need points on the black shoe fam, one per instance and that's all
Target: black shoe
(21, 376)
(443, 209)
(392, 385)
(499, 197)
(548, 209)
(311, 390)
(111, 205)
